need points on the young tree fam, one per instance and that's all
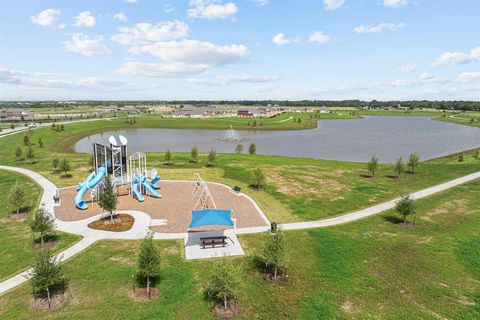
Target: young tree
(12, 126)
(372, 166)
(460, 157)
(46, 272)
(40, 143)
(405, 207)
(55, 163)
(148, 260)
(224, 281)
(26, 140)
(399, 167)
(62, 127)
(18, 153)
(258, 179)
(17, 197)
(168, 157)
(477, 154)
(194, 154)
(65, 166)
(413, 162)
(239, 148)
(274, 251)
(252, 149)
(108, 199)
(212, 158)
(30, 155)
(43, 224)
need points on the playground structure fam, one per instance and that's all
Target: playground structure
(201, 193)
(124, 170)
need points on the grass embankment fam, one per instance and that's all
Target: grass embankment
(429, 112)
(466, 118)
(16, 241)
(368, 269)
(296, 190)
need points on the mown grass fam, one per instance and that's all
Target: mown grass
(466, 118)
(16, 241)
(371, 268)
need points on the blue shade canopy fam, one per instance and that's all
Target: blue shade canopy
(210, 217)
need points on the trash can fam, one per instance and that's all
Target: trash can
(273, 227)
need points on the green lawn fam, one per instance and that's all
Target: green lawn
(464, 118)
(371, 268)
(16, 242)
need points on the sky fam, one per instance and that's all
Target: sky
(239, 49)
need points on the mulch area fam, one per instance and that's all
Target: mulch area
(56, 300)
(141, 293)
(121, 222)
(233, 309)
(175, 206)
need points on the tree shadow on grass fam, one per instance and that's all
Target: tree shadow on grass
(393, 219)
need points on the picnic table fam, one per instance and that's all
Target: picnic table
(214, 241)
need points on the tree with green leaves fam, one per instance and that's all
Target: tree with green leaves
(108, 199)
(46, 273)
(274, 252)
(252, 149)
(43, 223)
(30, 155)
(12, 126)
(212, 158)
(18, 153)
(460, 157)
(64, 166)
(168, 157)
(239, 148)
(413, 162)
(55, 163)
(17, 197)
(194, 154)
(405, 207)
(40, 143)
(224, 281)
(258, 179)
(26, 140)
(148, 260)
(399, 167)
(477, 154)
(372, 166)
(62, 127)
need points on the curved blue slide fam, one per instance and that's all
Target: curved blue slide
(154, 181)
(92, 180)
(136, 191)
(150, 188)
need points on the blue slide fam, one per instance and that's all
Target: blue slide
(150, 188)
(92, 180)
(136, 190)
(153, 183)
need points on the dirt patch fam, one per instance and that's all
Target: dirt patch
(41, 303)
(142, 295)
(281, 278)
(171, 250)
(425, 240)
(17, 216)
(347, 307)
(46, 245)
(120, 223)
(232, 310)
(457, 205)
(122, 260)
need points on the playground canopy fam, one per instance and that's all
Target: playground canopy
(210, 217)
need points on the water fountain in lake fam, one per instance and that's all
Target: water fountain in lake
(231, 135)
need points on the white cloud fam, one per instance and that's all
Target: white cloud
(280, 39)
(262, 3)
(319, 37)
(211, 9)
(48, 18)
(394, 3)
(120, 17)
(225, 80)
(142, 33)
(168, 8)
(457, 57)
(407, 68)
(379, 28)
(85, 19)
(184, 57)
(87, 45)
(131, 1)
(333, 4)
(467, 77)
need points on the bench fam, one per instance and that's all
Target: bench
(214, 241)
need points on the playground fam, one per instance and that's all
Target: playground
(170, 204)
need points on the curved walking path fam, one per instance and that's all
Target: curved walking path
(143, 220)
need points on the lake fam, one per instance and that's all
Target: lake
(346, 140)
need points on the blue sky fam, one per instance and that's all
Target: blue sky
(239, 49)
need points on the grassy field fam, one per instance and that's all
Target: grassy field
(466, 118)
(429, 112)
(16, 242)
(368, 269)
(297, 189)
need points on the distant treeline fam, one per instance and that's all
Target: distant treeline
(374, 104)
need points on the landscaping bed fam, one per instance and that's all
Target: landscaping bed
(120, 223)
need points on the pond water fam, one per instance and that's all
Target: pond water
(345, 140)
